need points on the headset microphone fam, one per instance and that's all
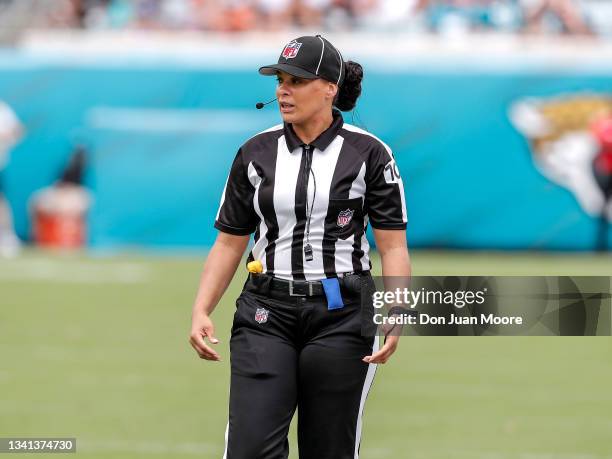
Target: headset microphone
(260, 105)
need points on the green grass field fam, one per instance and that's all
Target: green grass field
(97, 348)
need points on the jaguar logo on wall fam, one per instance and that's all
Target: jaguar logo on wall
(570, 138)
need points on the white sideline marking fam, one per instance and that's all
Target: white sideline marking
(146, 447)
(526, 455)
(384, 453)
(74, 272)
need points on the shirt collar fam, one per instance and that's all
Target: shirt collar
(321, 142)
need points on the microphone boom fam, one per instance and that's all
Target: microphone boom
(260, 105)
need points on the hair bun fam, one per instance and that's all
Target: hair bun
(350, 90)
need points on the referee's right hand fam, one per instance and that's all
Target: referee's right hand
(201, 328)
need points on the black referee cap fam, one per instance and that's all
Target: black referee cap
(309, 57)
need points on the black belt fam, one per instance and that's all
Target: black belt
(297, 288)
(300, 287)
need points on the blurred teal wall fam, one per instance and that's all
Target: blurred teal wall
(162, 136)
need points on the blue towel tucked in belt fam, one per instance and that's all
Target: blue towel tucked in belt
(332, 293)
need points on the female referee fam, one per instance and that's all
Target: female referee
(307, 188)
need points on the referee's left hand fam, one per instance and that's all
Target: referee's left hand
(385, 352)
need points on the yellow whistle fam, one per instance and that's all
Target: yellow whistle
(255, 267)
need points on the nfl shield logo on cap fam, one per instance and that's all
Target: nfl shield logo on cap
(345, 217)
(261, 315)
(291, 50)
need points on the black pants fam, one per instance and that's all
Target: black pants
(297, 354)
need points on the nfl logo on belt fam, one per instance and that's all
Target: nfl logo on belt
(261, 315)
(291, 50)
(345, 217)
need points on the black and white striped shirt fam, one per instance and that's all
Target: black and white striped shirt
(268, 192)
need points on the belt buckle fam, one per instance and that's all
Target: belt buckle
(292, 293)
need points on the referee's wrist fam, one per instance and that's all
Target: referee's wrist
(399, 310)
(203, 309)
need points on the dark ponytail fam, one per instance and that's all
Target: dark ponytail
(346, 99)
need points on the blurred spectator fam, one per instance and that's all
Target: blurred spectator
(11, 131)
(65, 14)
(453, 17)
(116, 14)
(59, 210)
(275, 14)
(554, 14)
(602, 171)
(240, 16)
(598, 14)
(178, 14)
(147, 14)
(310, 13)
(447, 17)
(408, 15)
(208, 14)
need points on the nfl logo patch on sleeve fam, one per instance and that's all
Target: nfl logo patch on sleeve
(261, 315)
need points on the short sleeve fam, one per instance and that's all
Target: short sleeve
(385, 202)
(236, 213)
